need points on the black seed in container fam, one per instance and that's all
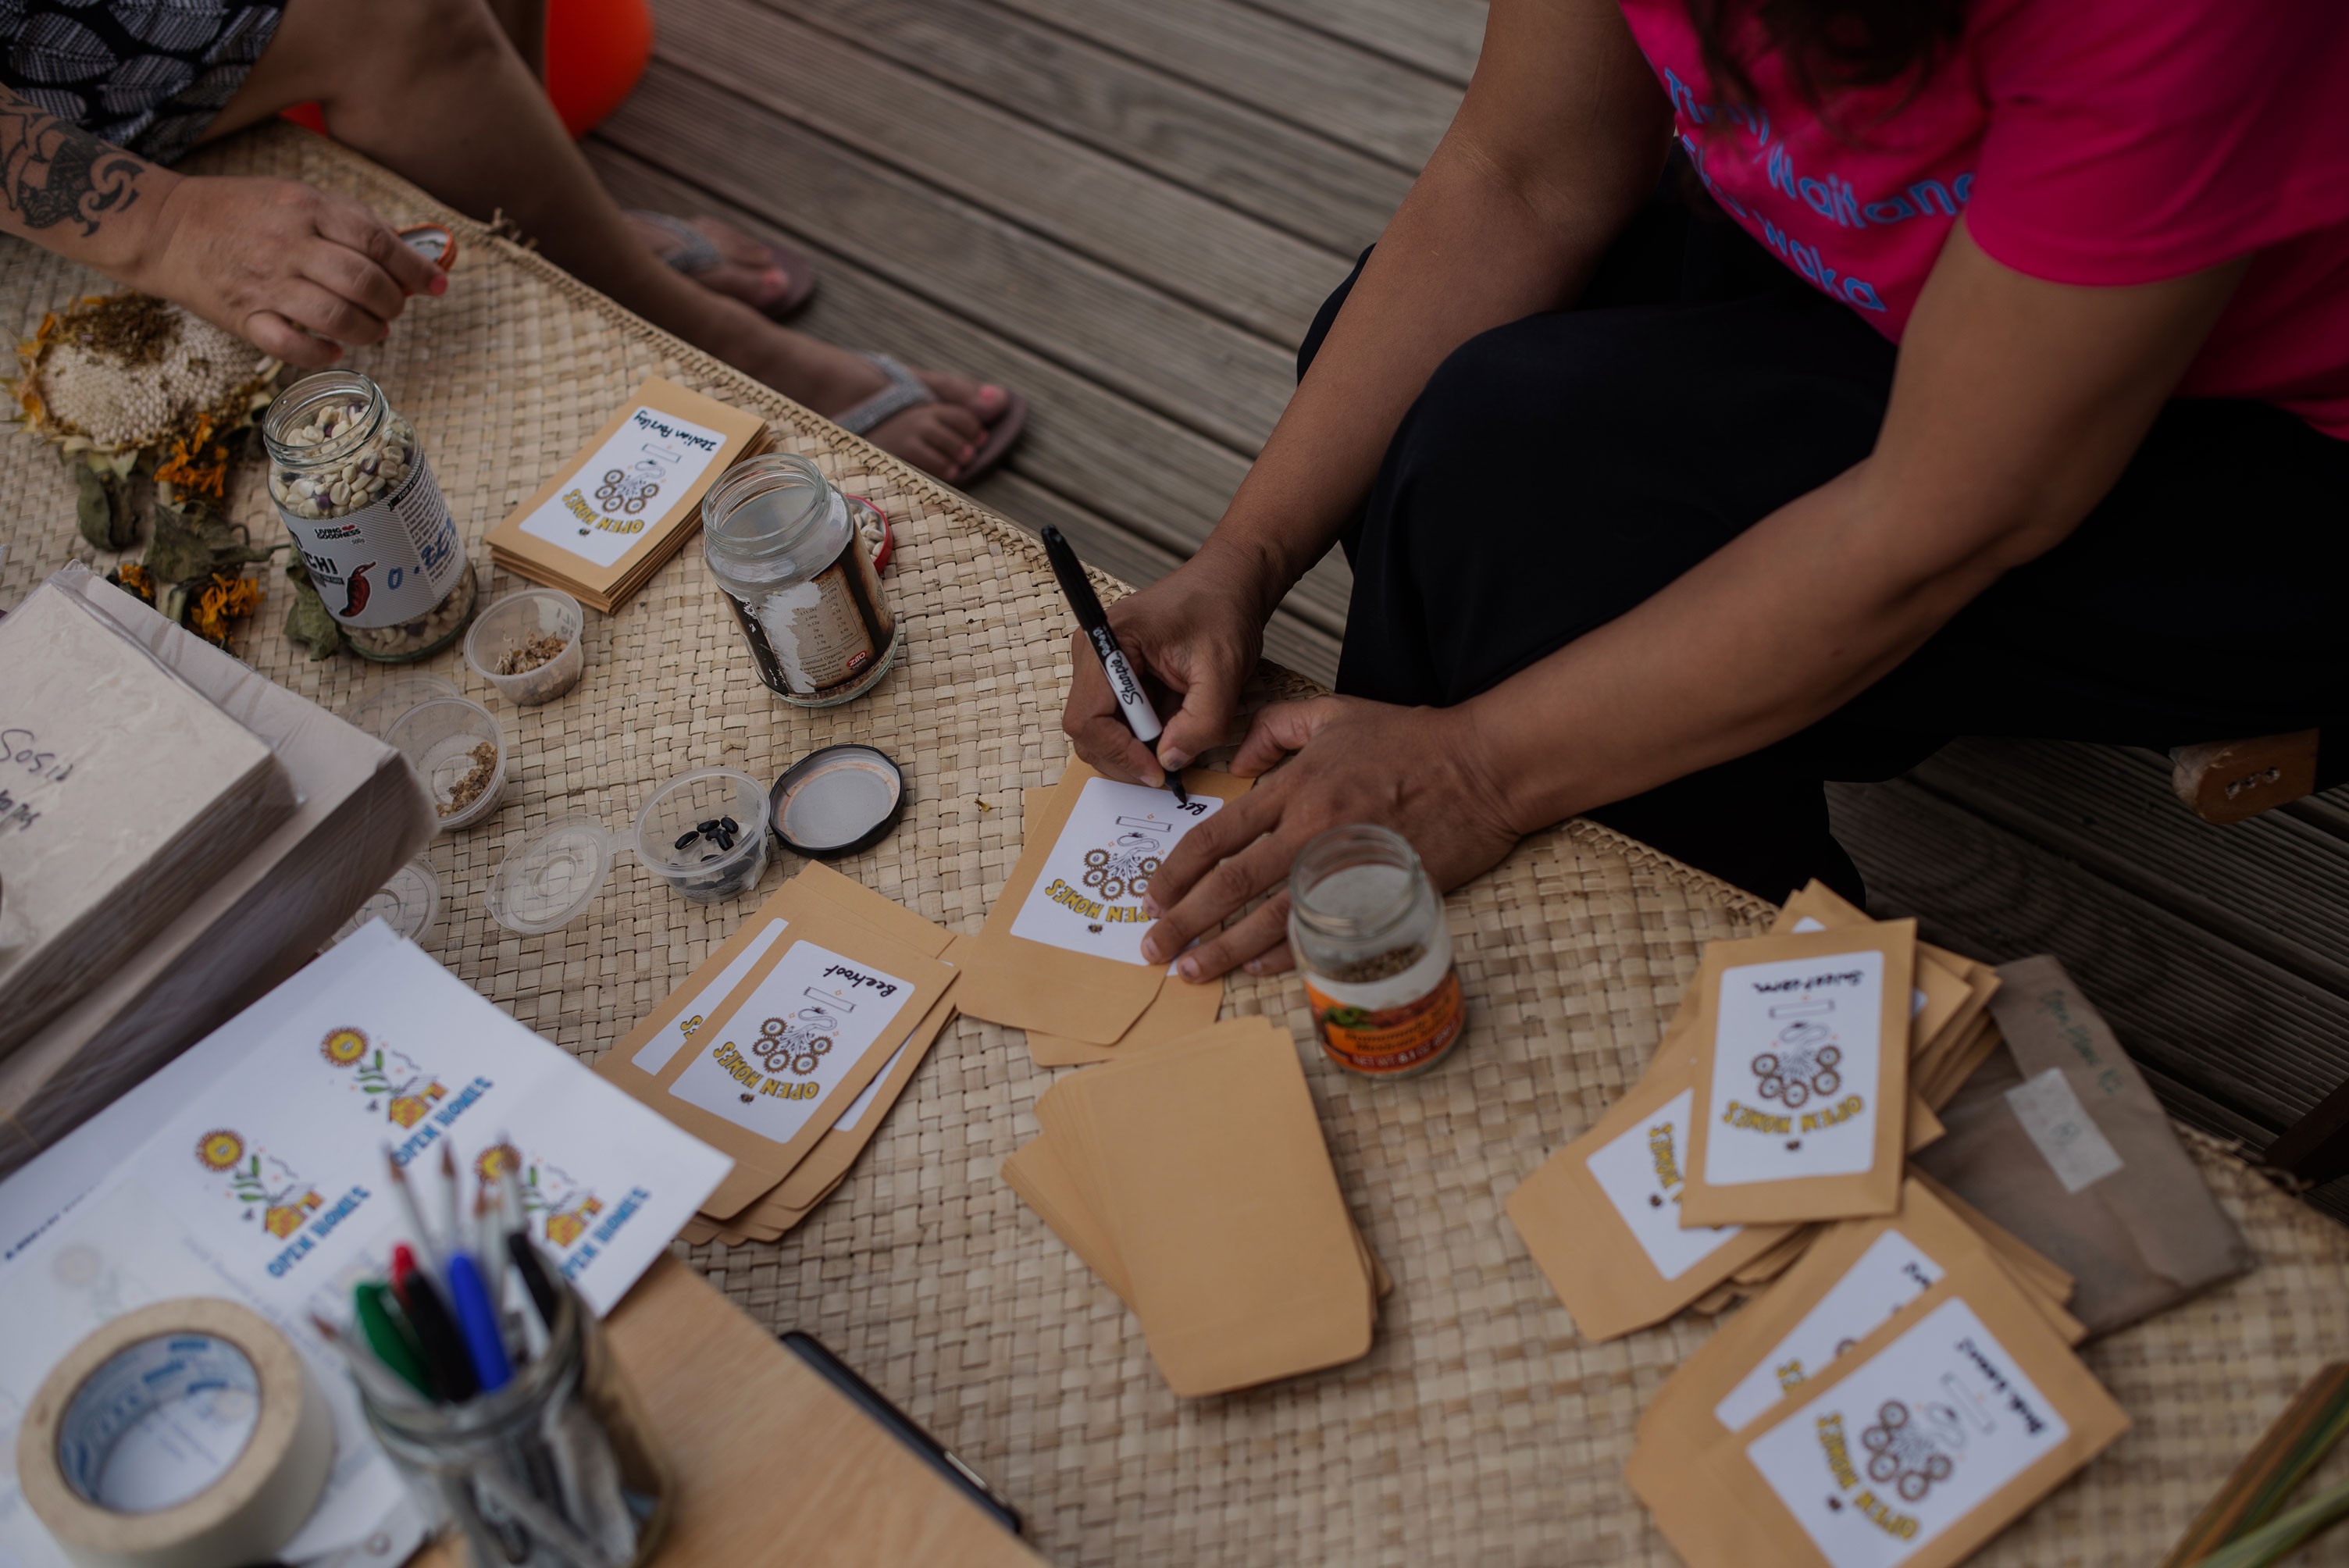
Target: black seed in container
(685, 838)
(710, 826)
(729, 824)
(725, 839)
(707, 857)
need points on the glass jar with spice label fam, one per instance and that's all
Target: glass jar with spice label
(783, 543)
(353, 490)
(1369, 933)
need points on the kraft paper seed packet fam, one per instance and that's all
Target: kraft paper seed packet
(1802, 1076)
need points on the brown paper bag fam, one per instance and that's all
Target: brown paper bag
(1207, 1167)
(1805, 1043)
(1600, 1216)
(827, 1162)
(1855, 1276)
(1048, 963)
(1946, 997)
(813, 1020)
(1913, 1447)
(2059, 1140)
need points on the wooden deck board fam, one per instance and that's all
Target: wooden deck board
(1309, 185)
(1130, 209)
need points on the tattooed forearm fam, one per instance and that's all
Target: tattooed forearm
(52, 172)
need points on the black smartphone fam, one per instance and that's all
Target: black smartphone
(869, 1400)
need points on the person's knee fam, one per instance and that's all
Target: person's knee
(390, 42)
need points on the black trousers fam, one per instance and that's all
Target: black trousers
(1559, 470)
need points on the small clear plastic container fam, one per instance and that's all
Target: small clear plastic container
(705, 833)
(551, 877)
(508, 628)
(409, 902)
(456, 745)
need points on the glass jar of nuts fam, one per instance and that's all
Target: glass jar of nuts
(353, 489)
(1369, 932)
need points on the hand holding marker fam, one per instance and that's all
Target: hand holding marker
(1133, 702)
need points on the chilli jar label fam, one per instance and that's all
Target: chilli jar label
(388, 562)
(1389, 1039)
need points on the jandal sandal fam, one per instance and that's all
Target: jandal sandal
(696, 254)
(906, 390)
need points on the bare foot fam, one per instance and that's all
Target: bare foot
(745, 270)
(938, 438)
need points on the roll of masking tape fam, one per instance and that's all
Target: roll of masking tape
(184, 1434)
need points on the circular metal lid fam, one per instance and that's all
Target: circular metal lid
(837, 800)
(551, 876)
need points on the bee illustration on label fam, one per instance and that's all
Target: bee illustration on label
(1806, 1060)
(628, 491)
(1910, 1454)
(1124, 868)
(798, 1044)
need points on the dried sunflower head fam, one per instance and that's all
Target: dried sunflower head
(125, 372)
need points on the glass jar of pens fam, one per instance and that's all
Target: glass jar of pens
(488, 1381)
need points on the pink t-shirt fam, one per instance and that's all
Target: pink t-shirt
(2086, 141)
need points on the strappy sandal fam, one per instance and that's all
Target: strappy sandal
(696, 254)
(906, 390)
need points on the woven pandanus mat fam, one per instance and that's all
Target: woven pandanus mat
(1480, 1428)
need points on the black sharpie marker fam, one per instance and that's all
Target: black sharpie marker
(1093, 621)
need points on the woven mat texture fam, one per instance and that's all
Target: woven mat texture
(1480, 1428)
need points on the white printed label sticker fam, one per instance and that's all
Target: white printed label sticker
(2077, 1149)
(1795, 1061)
(1088, 897)
(1893, 1272)
(1640, 1172)
(772, 1065)
(1937, 1422)
(661, 1050)
(625, 486)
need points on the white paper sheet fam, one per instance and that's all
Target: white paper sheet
(1641, 1172)
(1088, 898)
(1796, 1061)
(261, 1180)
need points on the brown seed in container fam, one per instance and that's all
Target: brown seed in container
(545, 648)
(1379, 965)
(469, 789)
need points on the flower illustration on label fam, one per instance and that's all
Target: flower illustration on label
(260, 1183)
(628, 491)
(1805, 1059)
(390, 1083)
(1123, 868)
(1912, 1452)
(566, 1204)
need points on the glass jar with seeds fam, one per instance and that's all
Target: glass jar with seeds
(1369, 935)
(353, 487)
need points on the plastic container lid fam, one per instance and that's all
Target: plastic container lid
(837, 800)
(410, 903)
(549, 878)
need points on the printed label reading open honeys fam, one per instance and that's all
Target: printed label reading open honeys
(1088, 897)
(1936, 1422)
(1640, 1172)
(796, 1037)
(624, 486)
(1893, 1272)
(1796, 1058)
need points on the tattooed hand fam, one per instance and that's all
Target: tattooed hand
(52, 172)
(295, 270)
